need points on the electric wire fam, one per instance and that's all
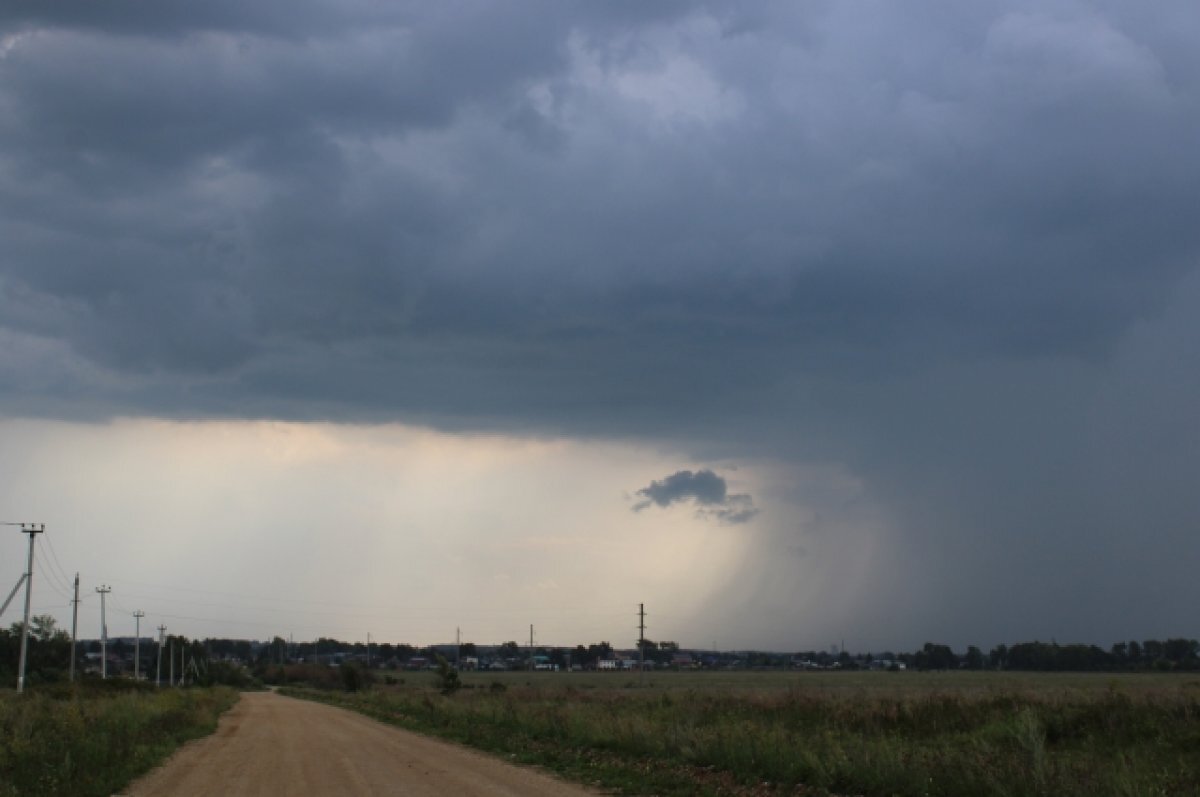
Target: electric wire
(573, 610)
(54, 557)
(52, 579)
(305, 615)
(378, 610)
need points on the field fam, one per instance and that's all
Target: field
(92, 740)
(879, 733)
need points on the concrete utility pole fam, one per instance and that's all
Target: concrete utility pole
(158, 673)
(368, 650)
(31, 529)
(531, 646)
(74, 626)
(171, 660)
(458, 648)
(137, 645)
(103, 590)
(642, 637)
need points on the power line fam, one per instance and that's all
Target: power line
(54, 558)
(53, 581)
(119, 606)
(589, 608)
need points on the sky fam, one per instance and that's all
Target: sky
(803, 324)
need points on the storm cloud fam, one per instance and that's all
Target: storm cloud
(704, 488)
(937, 263)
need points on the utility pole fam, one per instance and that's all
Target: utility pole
(642, 637)
(31, 529)
(158, 673)
(137, 645)
(368, 650)
(103, 590)
(171, 660)
(74, 626)
(458, 648)
(531, 646)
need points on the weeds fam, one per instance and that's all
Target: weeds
(1006, 740)
(95, 738)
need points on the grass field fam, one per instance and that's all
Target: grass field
(956, 733)
(94, 740)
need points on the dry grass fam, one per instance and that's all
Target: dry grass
(848, 733)
(94, 741)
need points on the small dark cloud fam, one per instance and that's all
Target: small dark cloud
(704, 488)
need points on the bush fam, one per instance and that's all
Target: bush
(447, 677)
(354, 677)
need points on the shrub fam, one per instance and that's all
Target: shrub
(447, 677)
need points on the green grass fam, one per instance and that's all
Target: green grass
(918, 734)
(96, 739)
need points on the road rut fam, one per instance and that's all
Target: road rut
(270, 744)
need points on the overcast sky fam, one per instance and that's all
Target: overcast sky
(798, 322)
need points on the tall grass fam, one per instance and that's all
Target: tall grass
(93, 741)
(1008, 740)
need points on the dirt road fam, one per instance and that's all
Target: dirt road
(268, 744)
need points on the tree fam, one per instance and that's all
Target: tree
(599, 650)
(43, 628)
(48, 655)
(935, 657)
(1182, 652)
(974, 658)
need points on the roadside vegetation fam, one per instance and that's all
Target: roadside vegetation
(1003, 734)
(96, 736)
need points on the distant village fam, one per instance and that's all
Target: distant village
(118, 656)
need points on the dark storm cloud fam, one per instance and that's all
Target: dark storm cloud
(705, 489)
(939, 245)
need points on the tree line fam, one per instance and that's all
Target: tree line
(222, 658)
